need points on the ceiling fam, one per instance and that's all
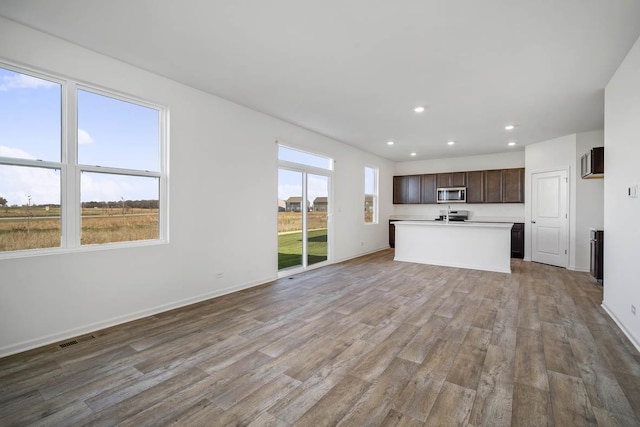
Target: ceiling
(354, 70)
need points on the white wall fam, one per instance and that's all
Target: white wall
(546, 156)
(507, 160)
(589, 206)
(585, 195)
(622, 213)
(222, 155)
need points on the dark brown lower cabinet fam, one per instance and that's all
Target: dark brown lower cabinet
(392, 234)
(517, 240)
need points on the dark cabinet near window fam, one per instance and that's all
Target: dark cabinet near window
(451, 179)
(406, 189)
(592, 163)
(428, 189)
(517, 240)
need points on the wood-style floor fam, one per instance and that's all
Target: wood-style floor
(366, 342)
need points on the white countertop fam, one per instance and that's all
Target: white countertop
(474, 219)
(469, 224)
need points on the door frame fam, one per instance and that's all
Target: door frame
(528, 224)
(305, 170)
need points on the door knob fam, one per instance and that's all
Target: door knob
(533, 222)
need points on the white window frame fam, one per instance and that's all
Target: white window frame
(376, 173)
(71, 171)
(305, 170)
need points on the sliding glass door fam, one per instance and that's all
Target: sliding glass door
(317, 224)
(290, 248)
(303, 211)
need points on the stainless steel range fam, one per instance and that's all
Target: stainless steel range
(457, 215)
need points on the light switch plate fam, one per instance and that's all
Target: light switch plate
(633, 191)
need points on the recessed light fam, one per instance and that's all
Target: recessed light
(509, 127)
(451, 142)
(390, 142)
(512, 143)
(418, 109)
(413, 154)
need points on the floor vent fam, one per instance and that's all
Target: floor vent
(77, 340)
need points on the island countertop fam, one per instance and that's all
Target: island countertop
(456, 223)
(474, 218)
(473, 245)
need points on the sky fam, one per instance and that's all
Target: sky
(290, 182)
(111, 133)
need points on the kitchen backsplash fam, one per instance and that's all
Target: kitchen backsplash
(497, 210)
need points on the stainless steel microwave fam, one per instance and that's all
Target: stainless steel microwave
(452, 195)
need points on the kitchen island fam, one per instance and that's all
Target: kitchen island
(474, 245)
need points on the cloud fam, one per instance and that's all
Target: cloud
(17, 183)
(110, 188)
(15, 153)
(84, 137)
(23, 81)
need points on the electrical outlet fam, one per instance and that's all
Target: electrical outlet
(219, 275)
(361, 243)
(633, 309)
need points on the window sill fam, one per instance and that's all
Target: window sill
(85, 248)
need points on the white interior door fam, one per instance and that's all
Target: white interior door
(549, 218)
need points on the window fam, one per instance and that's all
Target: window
(119, 157)
(291, 155)
(102, 183)
(370, 195)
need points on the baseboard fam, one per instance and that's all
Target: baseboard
(581, 270)
(624, 330)
(93, 327)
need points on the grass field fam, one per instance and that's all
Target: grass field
(290, 248)
(290, 238)
(38, 228)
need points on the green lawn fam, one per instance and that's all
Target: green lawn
(290, 248)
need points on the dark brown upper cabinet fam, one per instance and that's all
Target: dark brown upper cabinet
(406, 189)
(513, 186)
(428, 189)
(494, 186)
(592, 163)
(476, 186)
(451, 179)
(505, 186)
